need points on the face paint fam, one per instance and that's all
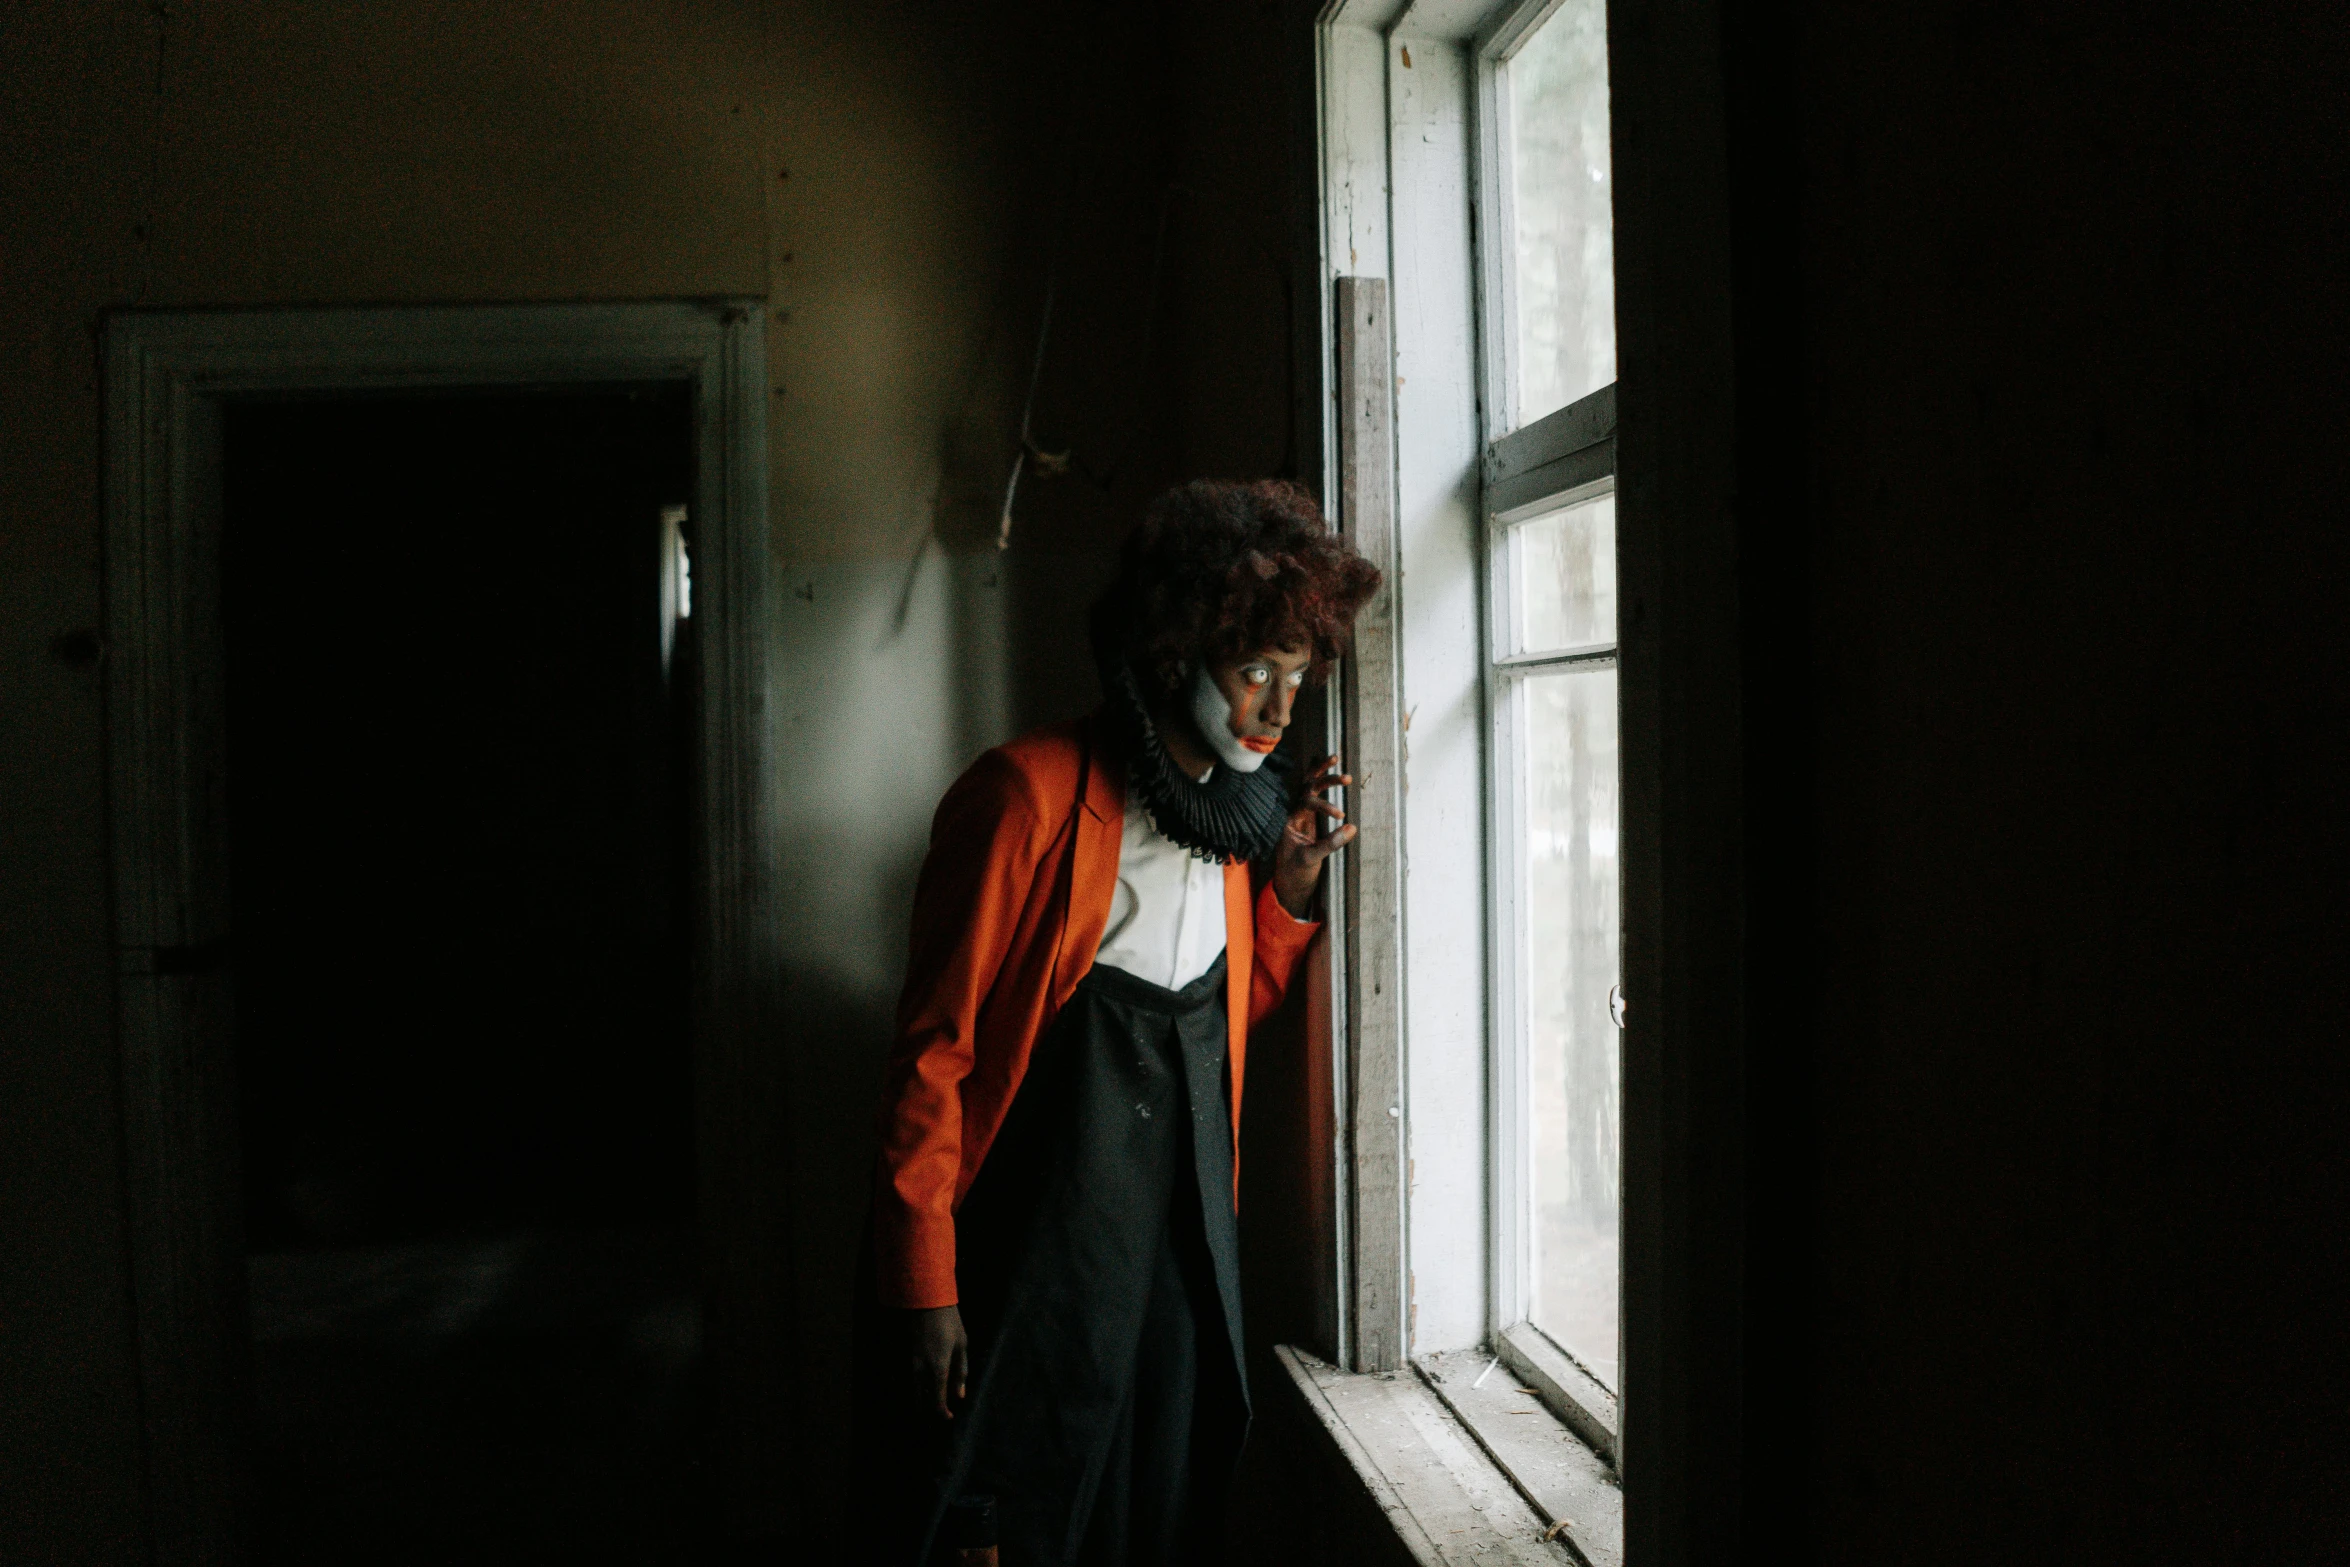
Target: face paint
(1211, 715)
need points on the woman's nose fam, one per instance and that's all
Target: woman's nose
(1277, 701)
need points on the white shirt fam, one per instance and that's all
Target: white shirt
(1167, 916)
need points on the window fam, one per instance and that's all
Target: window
(1468, 252)
(1551, 271)
(1481, 1172)
(1556, 920)
(1548, 340)
(677, 582)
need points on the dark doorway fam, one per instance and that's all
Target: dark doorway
(457, 696)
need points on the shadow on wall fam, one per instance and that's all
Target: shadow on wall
(907, 642)
(903, 681)
(911, 680)
(839, 1038)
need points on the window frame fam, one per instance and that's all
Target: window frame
(1502, 35)
(1567, 455)
(1697, 230)
(1413, 192)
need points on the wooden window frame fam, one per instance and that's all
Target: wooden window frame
(1566, 457)
(1707, 536)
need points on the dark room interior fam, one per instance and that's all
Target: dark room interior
(1830, 1046)
(463, 1062)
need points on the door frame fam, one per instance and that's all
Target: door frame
(167, 374)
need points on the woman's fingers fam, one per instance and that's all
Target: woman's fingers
(942, 1357)
(1311, 847)
(1323, 848)
(1307, 821)
(933, 1380)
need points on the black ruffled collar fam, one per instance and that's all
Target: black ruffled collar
(1233, 816)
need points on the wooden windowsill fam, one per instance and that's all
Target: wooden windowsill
(1465, 1472)
(1573, 1394)
(1554, 1463)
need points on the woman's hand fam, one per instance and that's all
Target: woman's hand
(1297, 864)
(938, 1356)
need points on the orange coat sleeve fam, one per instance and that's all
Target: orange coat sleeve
(1281, 940)
(984, 851)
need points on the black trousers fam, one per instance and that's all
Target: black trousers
(1098, 1268)
(1164, 1472)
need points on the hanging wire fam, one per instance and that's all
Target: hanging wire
(1044, 336)
(1056, 464)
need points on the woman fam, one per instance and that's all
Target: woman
(1106, 908)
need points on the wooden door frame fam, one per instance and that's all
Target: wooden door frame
(166, 376)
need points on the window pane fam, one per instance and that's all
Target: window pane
(1570, 967)
(1559, 175)
(1566, 575)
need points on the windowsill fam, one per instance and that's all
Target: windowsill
(1573, 1394)
(1553, 1461)
(1464, 1470)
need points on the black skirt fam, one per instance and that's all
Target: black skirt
(1097, 1262)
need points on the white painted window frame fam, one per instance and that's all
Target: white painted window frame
(1562, 459)
(1500, 35)
(1413, 116)
(1684, 88)
(1686, 85)
(1397, 205)
(1566, 456)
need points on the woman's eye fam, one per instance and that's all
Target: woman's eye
(1296, 678)
(1256, 675)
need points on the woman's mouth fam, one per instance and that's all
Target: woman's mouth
(1260, 744)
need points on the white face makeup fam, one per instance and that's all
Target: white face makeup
(1211, 715)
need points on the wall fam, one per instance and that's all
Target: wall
(892, 177)
(1981, 375)
(2076, 487)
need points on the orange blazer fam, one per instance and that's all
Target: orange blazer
(1011, 907)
